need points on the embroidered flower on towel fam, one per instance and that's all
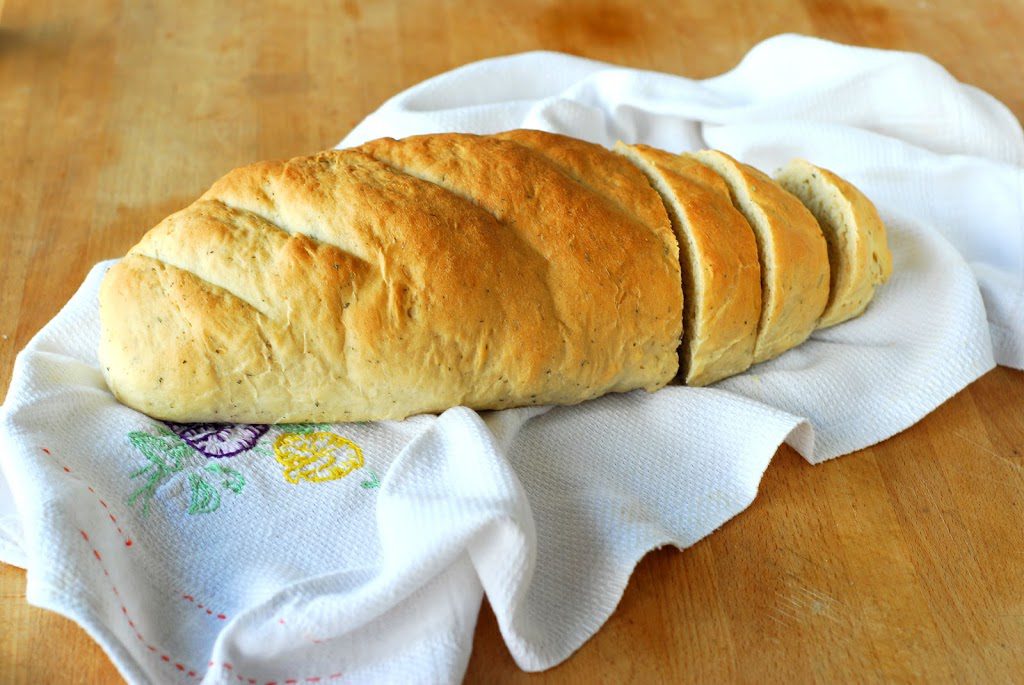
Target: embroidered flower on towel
(219, 440)
(307, 452)
(168, 453)
(316, 456)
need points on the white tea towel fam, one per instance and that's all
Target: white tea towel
(360, 552)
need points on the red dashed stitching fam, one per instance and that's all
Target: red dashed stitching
(306, 637)
(244, 678)
(166, 658)
(208, 610)
(113, 519)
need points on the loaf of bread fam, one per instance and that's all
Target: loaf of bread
(400, 278)
(410, 276)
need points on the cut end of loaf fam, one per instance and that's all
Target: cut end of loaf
(792, 252)
(719, 264)
(859, 256)
(727, 168)
(690, 281)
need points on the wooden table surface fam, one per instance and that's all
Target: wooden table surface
(902, 562)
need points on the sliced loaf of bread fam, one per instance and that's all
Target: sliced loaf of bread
(792, 251)
(858, 253)
(720, 269)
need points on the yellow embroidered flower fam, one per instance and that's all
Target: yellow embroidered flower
(316, 457)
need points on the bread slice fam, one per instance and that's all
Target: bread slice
(720, 271)
(858, 253)
(794, 257)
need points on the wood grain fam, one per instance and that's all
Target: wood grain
(902, 562)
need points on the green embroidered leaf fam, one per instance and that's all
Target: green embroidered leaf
(205, 497)
(167, 452)
(373, 482)
(302, 427)
(141, 471)
(146, 491)
(233, 480)
(179, 451)
(166, 455)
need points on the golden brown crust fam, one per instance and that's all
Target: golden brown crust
(792, 250)
(602, 173)
(721, 273)
(341, 287)
(858, 250)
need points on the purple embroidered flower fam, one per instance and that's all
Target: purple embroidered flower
(218, 440)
